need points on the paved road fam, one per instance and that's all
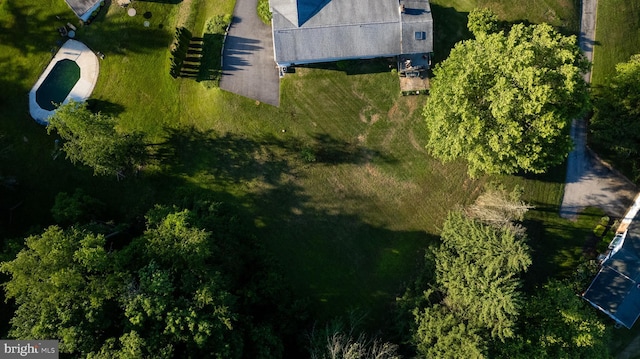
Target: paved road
(589, 183)
(248, 68)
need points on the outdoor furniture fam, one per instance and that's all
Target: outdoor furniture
(63, 31)
(131, 12)
(71, 27)
(71, 34)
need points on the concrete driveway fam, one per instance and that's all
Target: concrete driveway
(590, 182)
(248, 67)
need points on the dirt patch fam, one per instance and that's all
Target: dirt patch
(384, 180)
(389, 137)
(404, 108)
(368, 115)
(414, 142)
(183, 12)
(414, 84)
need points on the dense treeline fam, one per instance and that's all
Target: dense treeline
(469, 303)
(194, 284)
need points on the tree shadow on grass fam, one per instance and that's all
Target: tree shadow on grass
(105, 107)
(120, 39)
(229, 158)
(12, 74)
(31, 29)
(338, 259)
(451, 28)
(328, 150)
(233, 158)
(555, 174)
(210, 65)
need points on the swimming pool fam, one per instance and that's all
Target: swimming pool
(71, 75)
(58, 84)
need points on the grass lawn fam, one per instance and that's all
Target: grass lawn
(347, 228)
(617, 37)
(450, 17)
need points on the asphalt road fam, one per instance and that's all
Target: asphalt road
(248, 67)
(589, 182)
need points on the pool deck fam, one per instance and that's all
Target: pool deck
(89, 68)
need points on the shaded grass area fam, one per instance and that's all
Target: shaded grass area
(617, 37)
(348, 229)
(450, 18)
(558, 245)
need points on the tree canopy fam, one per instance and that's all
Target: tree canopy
(92, 139)
(482, 21)
(473, 306)
(556, 323)
(615, 125)
(475, 299)
(176, 291)
(504, 101)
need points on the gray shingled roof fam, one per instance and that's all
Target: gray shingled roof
(417, 19)
(80, 7)
(615, 289)
(307, 31)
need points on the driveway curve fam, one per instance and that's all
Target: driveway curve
(248, 67)
(590, 182)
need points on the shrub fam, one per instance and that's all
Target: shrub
(604, 221)
(179, 51)
(308, 155)
(264, 13)
(218, 24)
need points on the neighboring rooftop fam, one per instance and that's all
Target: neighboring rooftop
(616, 288)
(308, 31)
(83, 8)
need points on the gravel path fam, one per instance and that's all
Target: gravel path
(589, 181)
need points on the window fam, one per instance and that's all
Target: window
(421, 35)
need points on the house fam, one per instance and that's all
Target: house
(313, 31)
(616, 288)
(83, 8)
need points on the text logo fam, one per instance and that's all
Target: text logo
(44, 349)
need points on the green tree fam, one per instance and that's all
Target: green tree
(191, 286)
(441, 334)
(504, 101)
(475, 299)
(176, 299)
(76, 208)
(482, 21)
(478, 268)
(615, 125)
(556, 323)
(91, 139)
(64, 287)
